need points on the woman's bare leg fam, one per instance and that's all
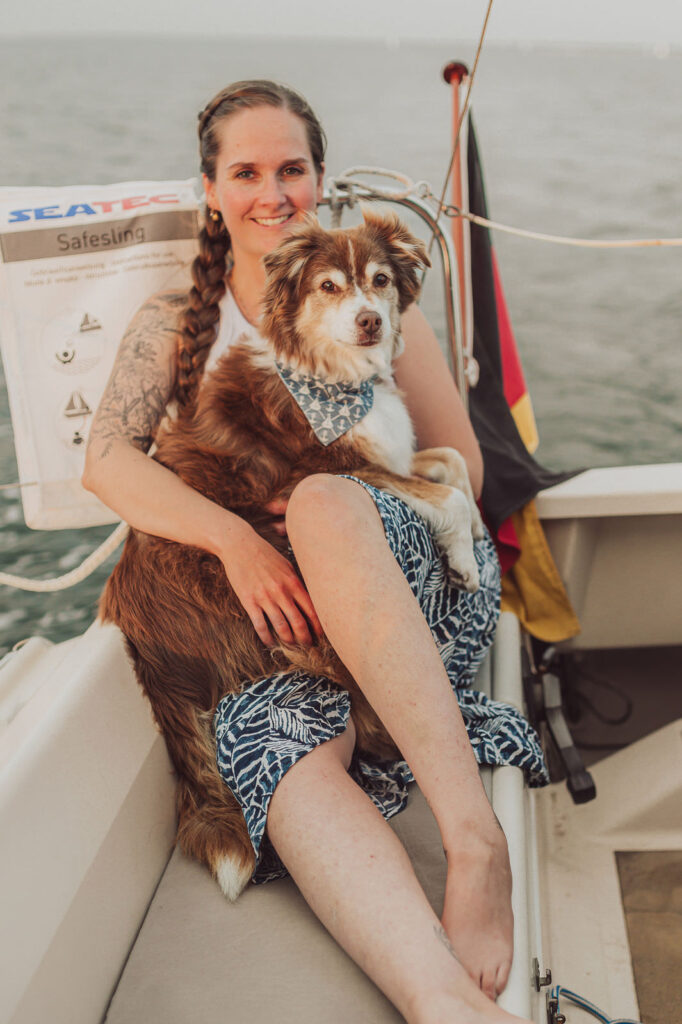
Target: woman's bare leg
(356, 876)
(376, 626)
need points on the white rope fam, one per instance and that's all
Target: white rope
(69, 579)
(422, 189)
(586, 243)
(18, 483)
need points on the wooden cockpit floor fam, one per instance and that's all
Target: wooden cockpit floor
(651, 887)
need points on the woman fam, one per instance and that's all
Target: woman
(262, 155)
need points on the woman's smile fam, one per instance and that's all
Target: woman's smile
(273, 222)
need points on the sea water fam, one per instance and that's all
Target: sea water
(574, 142)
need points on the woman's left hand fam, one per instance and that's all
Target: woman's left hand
(277, 508)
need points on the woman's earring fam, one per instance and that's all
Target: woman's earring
(214, 215)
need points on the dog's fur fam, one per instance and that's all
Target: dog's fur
(246, 443)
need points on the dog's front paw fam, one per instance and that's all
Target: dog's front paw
(441, 465)
(437, 471)
(463, 569)
(477, 527)
(454, 536)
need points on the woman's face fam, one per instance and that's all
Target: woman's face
(265, 178)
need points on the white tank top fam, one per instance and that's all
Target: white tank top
(233, 327)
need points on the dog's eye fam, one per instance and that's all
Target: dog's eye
(380, 280)
(328, 286)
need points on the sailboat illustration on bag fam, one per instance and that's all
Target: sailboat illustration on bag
(89, 323)
(77, 406)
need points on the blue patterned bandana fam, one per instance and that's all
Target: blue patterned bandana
(330, 409)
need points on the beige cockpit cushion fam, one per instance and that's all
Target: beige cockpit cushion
(266, 958)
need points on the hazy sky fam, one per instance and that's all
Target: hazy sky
(648, 22)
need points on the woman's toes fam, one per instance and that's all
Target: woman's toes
(502, 977)
(488, 984)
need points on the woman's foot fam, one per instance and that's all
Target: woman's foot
(463, 1014)
(477, 915)
(468, 1006)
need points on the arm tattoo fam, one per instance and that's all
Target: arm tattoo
(142, 377)
(442, 936)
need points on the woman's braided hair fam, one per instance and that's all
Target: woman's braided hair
(202, 314)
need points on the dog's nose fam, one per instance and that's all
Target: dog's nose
(368, 321)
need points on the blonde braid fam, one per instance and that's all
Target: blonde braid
(202, 313)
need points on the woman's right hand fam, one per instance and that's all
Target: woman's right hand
(272, 593)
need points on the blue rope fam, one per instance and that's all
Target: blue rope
(585, 1004)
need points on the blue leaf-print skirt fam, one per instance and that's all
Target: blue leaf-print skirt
(264, 730)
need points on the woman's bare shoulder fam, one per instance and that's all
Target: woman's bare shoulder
(143, 375)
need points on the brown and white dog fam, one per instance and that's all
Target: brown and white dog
(332, 311)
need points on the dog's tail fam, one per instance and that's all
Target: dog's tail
(211, 825)
(214, 832)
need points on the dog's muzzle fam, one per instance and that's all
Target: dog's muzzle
(369, 325)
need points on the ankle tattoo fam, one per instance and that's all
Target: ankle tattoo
(442, 936)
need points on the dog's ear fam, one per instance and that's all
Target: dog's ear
(407, 253)
(284, 266)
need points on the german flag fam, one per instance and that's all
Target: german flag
(502, 417)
